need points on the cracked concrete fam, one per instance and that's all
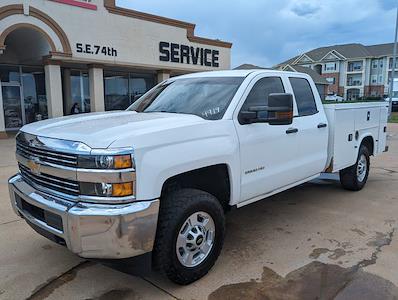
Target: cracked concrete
(316, 240)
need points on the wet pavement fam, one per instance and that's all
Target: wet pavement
(316, 241)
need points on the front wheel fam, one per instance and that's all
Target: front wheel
(354, 178)
(190, 235)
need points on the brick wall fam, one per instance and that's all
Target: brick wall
(374, 90)
(341, 91)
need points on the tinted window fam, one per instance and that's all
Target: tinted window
(208, 98)
(304, 97)
(258, 96)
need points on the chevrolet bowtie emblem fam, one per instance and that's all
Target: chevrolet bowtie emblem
(34, 167)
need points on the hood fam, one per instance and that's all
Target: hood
(100, 130)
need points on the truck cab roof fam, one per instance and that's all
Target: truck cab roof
(237, 73)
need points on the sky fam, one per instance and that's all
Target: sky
(267, 32)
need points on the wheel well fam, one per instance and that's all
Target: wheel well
(369, 143)
(212, 179)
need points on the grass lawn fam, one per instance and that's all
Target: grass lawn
(394, 117)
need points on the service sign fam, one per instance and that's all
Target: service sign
(183, 54)
(87, 4)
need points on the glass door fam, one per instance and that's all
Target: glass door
(12, 105)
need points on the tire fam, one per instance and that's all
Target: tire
(171, 247)
(352, 178)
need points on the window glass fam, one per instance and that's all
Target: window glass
(116, 91)
(331, 80)
(80, 90)
(205, 97)
(304, 97)
(34, 92)
(139, 85)
(330, 66)
(123, 89)
(258, 96)
(9, 74)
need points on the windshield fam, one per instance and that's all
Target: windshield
(207, 97)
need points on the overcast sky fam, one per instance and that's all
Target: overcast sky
(268, 32)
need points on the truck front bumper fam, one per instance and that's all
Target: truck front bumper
(89, 230)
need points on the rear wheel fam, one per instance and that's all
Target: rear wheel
(354, 178)
(190, 235)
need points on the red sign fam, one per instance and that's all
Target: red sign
(80, 3)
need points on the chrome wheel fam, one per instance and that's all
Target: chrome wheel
(195, 239)
(362, 168)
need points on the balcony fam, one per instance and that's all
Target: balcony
(354, 82)
(354, 67)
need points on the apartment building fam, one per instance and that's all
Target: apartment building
(352, 70)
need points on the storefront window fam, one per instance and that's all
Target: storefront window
(80, 89)
(34, 93)
(116, 91)
(10, 74)
(139, 85)
(24, 95)
(123, 89)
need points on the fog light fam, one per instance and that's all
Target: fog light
(122, 189)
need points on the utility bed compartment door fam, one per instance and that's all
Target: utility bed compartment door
(349, 124)
(344, 153)
(383, 130)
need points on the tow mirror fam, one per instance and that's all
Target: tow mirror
(278, 112)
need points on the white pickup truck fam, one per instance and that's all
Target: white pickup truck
(155, 181)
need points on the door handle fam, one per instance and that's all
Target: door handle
(322, 125)
(291, 130)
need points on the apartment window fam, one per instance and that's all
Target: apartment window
(381, 63)
(355, 66)
(390, 64)
(330, 67)
(331, 80)
(374, 64)
(380, 78)
(374, 78)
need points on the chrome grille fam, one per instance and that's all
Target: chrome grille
(50, 156)
(62, 185)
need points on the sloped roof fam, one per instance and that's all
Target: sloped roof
(318, 79)
(250, 67)
(381, 49)
(349, 51)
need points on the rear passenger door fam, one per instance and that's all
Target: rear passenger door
(312, 124)
(268, 153)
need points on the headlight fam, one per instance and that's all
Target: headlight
(106, 161)
(107, 189)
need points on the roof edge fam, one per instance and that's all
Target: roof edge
(110, 5)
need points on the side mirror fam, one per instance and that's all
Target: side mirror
(278, 112)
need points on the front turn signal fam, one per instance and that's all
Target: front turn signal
(122, 189)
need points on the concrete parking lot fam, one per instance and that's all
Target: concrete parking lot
(315, 241)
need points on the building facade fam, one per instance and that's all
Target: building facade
(352, 70)
(56, 53)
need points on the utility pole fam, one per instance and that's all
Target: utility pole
(394, 59)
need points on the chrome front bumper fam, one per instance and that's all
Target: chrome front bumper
(89, 230)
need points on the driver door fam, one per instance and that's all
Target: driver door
(268, 153)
